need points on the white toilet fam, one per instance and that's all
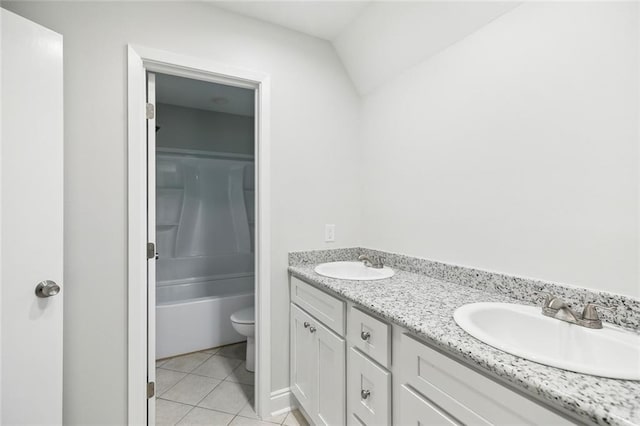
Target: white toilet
(244, 322)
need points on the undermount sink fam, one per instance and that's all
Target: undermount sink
(523, 331)
(353, 271)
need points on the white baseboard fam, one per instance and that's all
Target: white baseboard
(282, 401)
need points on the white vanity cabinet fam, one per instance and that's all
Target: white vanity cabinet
(318, 371)
(440, 389)
(391, 377)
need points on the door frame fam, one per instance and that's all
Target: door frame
(140, 60)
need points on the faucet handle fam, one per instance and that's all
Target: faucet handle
(591, 314)
(365, 259)
(553, 302)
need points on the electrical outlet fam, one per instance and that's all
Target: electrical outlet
(329, 233)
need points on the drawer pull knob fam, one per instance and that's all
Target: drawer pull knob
(365, 335)
(306, 324)
(365, 393)
(312, 329)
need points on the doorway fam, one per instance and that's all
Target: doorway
(198, 204)
(202, 202)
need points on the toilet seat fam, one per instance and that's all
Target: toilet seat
(244, 316)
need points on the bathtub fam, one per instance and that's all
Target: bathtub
(194, 299)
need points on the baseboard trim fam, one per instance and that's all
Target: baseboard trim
(282, 401)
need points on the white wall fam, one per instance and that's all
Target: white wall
(314, 167)
(515, 150)
(190, 128)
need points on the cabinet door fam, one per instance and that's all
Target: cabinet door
(331, 379)
(416, 410)
(303, 359)
(369, 391)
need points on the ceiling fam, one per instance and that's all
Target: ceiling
(204, 95)
(323, 19)
(377, 40)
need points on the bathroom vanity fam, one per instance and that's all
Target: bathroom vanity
(392, 376)
(360, 354)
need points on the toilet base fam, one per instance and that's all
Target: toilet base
(251, 354)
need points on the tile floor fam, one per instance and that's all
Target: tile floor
(210, 387)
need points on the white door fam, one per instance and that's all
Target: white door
(151, 237)
(31, 218)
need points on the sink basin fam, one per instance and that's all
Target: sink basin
(353, 271)
(523, 331)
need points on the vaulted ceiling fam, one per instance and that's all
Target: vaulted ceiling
(377, 40)
(322, 19)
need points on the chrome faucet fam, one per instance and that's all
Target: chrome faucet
(377, 261)
(557, 308)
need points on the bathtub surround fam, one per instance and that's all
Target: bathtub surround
(425, 305)
(201, 210)
(204, 237)
(625, 310)
(190, 128)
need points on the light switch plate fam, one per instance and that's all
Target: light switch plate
(329, 232)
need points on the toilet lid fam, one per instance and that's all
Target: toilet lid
(244, 316)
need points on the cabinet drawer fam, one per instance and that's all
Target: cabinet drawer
(415, 410)
(368, 391)
(370, 335)
(465, 394)
(325, 308)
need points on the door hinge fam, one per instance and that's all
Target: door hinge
(151, 251)
(151, 111)
(151, 389)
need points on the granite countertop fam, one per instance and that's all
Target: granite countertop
(425, 306)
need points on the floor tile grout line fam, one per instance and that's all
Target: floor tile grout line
(185, 415)
(208, 393)
(225, 412)
(256, 417)
(198, 406)
(210, 355)
(226, 379)
(199, 365)
(187, 374)
(208, 377)
(173, 385)
(204, 397)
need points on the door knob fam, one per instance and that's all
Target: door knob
(364, 393)
(47, 288)
(365, 335)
